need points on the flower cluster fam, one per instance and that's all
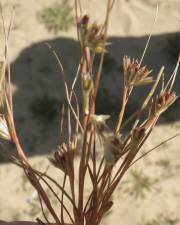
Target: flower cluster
(91, 35)
(164, 101)
(59, 158)
(134, 74)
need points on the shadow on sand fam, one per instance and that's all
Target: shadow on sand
(39, 88)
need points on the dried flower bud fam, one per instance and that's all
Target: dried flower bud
(137, 137)
(59, 158)
(82, 29)
(91, 35)
(4, 131)
(163, 102)
(111, 143)
(84, 20)
(96, 39)
(135, 75)
(138, 134)
(93, 31)
(112, 149)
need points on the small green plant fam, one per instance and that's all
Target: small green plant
(165, 163)
(44, 108)
(16, 216)
(162, 220)
(57, 17)
(140, 184)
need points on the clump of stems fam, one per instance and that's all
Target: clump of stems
(119, 151)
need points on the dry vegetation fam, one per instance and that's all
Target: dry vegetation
(95, 154)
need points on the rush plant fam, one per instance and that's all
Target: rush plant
(105, 154)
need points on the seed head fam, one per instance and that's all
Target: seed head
(138, 135)
(164, 101)
(112, 149)
(59, 158)
(91, 35)
(84, 20)
(134, 74)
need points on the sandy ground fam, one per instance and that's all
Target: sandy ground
(34, 73)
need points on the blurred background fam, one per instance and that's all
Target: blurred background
(150, 194)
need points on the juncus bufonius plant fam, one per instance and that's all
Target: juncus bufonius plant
(105, 169)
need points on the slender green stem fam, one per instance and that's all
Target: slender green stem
(121, 114)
